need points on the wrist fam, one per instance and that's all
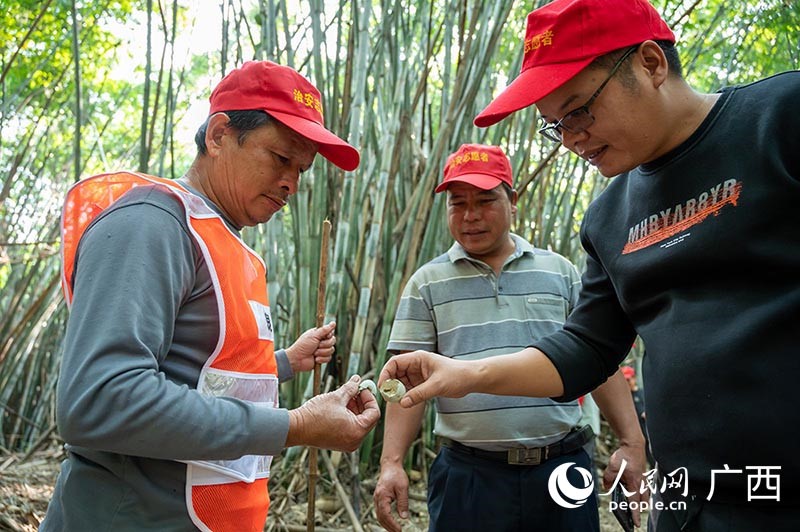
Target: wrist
(477, 377)
(296, 434)
(290, 356)
(392, 457)
(391, 462)
(636, 442)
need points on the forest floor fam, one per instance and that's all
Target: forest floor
(27, 485)
(26, 488)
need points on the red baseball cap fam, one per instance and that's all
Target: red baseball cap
(628, 372)
(482, 166)
(563, 37)
(289, 98)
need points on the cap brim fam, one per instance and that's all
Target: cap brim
(528, 88)
(482, 181)
(331, 147)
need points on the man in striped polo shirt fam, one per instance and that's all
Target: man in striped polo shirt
(491, 294)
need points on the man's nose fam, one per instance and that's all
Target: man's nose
(570, 140)
(472, 212)
(290, 181)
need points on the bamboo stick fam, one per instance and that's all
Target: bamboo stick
(312, 454)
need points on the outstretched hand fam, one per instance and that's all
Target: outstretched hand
(427, 375)
(315, 346)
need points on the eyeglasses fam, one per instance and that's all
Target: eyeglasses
(579, 119)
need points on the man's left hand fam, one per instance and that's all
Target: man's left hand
(315, 346)
(632, 477)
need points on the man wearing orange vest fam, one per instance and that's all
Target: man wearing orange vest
(168, 393)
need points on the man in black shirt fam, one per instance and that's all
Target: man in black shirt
(693, 246)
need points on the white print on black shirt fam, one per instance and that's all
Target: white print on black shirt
(674, 220)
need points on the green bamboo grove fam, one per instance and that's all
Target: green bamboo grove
(401, 80)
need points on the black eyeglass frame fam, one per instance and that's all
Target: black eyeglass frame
(577, 120)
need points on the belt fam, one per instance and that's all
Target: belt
(573, 441)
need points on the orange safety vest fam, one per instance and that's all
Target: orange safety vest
(225, 495)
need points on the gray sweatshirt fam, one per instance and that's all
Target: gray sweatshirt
(142, 324)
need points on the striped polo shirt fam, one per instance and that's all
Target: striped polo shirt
(456, 305)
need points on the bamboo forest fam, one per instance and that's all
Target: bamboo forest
(88, 87)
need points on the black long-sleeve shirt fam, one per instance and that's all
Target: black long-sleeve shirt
(698, 252)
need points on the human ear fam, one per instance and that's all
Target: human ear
(217, 126)
(654, 62)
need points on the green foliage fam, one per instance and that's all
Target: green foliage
(401, 79)
(726, 43)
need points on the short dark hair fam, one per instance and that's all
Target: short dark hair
(242, 121)
(608, 60)
(509, 190)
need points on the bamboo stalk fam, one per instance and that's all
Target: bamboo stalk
(342, 494)
(39, 442)
(313, 472)
(428, 65)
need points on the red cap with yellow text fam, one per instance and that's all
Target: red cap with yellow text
(288, 97)
(476, 164)
(564, 37)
